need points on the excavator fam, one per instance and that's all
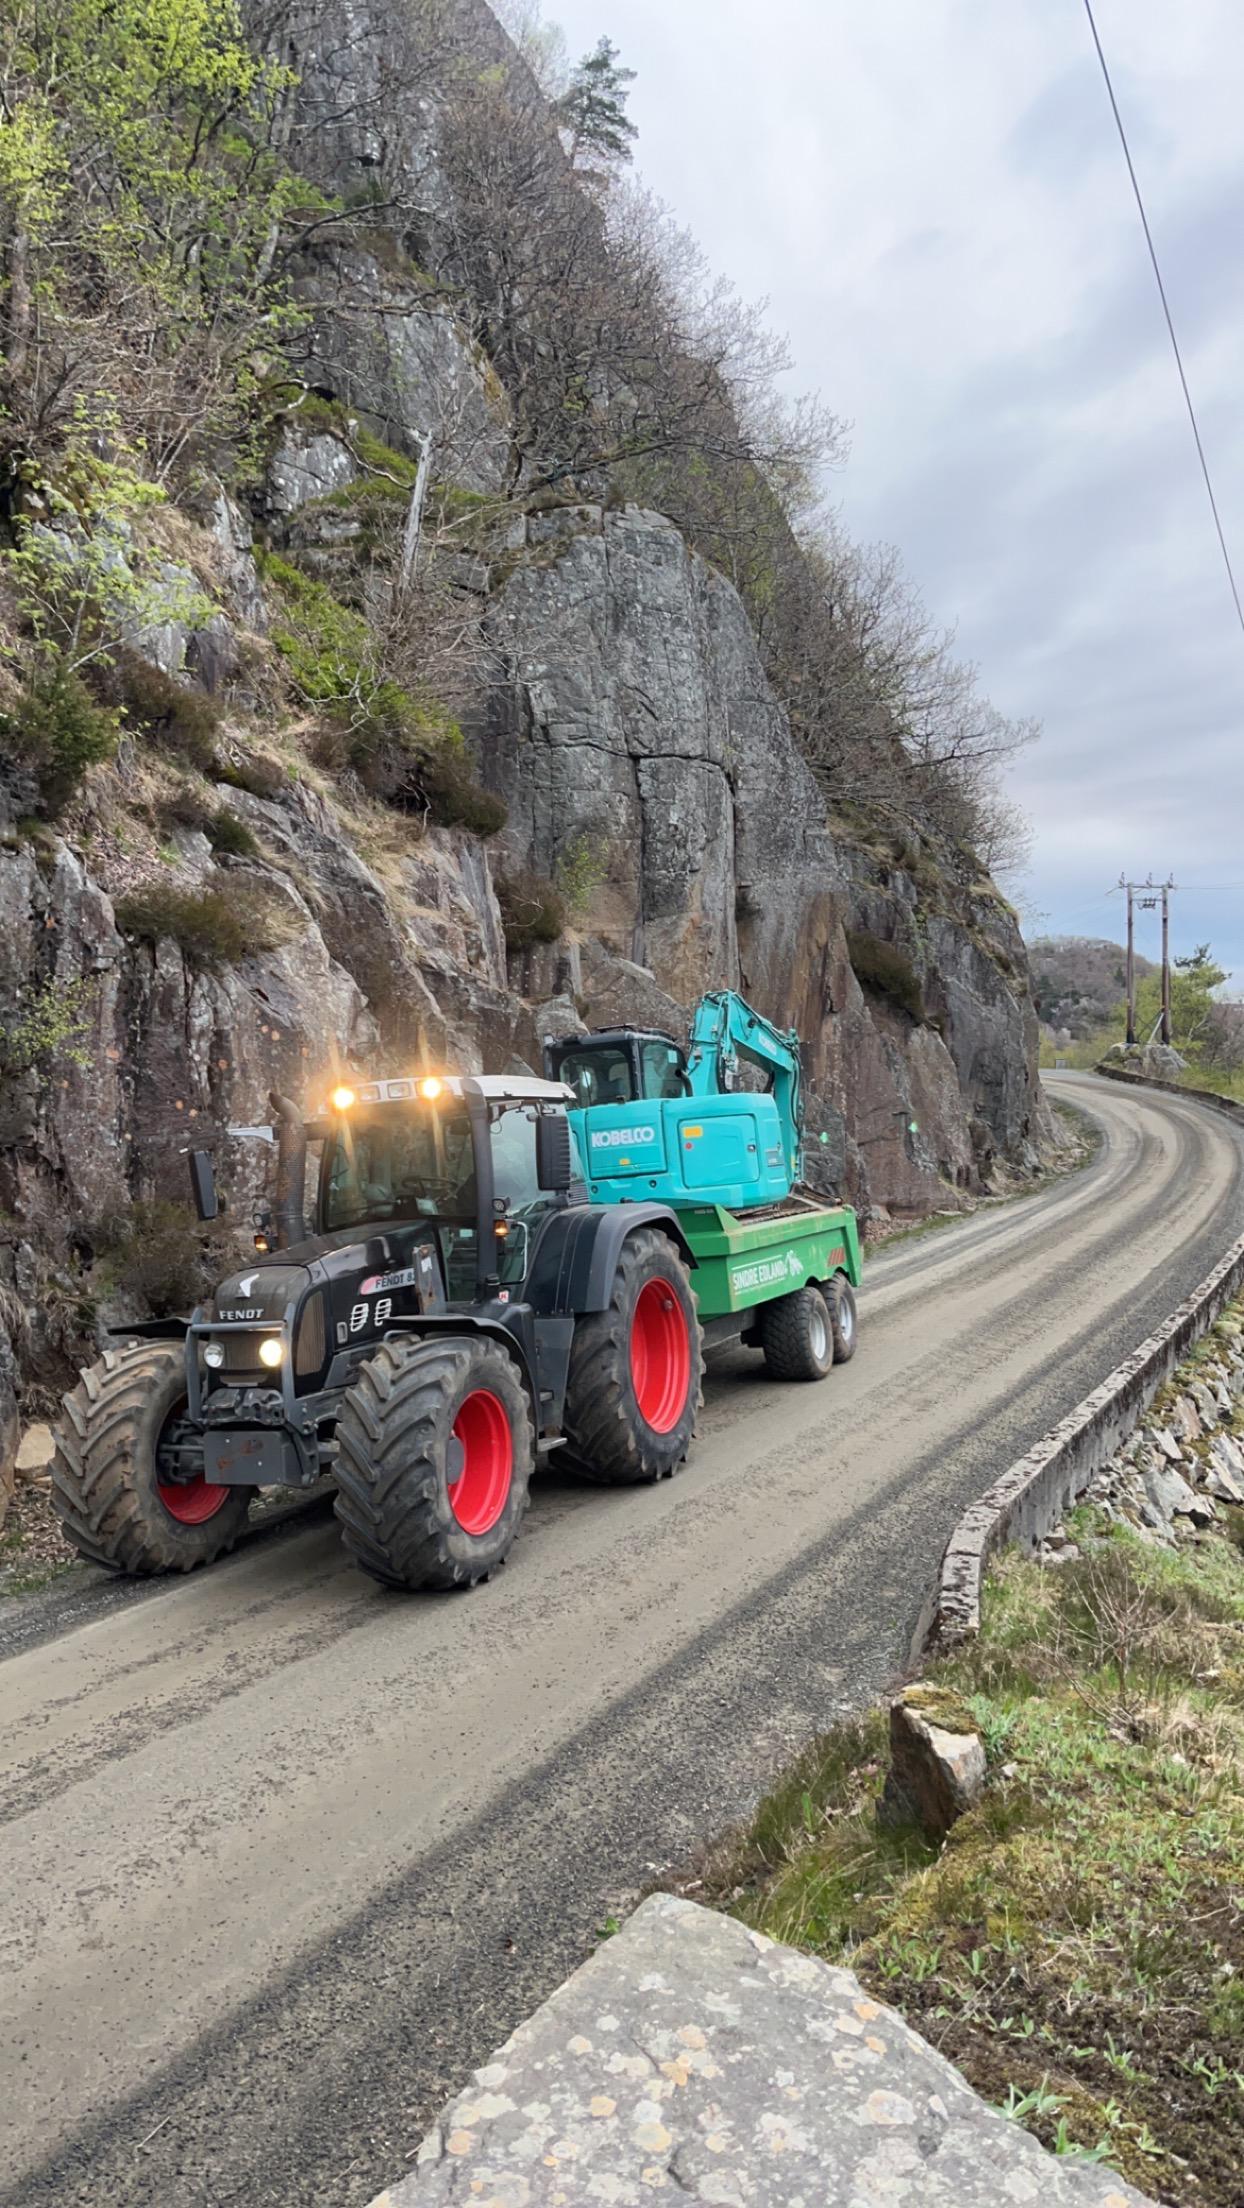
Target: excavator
(656, 1122)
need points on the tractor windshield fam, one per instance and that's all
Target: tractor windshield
(406, 1163)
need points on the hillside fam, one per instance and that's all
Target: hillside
(1079, 982)
(309, 761)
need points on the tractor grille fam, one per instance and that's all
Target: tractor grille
(241, 1358)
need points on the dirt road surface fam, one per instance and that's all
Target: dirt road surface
(284, 1854)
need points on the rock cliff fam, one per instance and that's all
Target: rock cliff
(622, 715)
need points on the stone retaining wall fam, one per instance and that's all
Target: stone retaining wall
(1034, 1493)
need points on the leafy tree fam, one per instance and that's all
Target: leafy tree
(592, 110)
(144, 216)
(1193, 1005)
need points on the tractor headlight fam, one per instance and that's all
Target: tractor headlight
(214, 1355)
(271, 1351)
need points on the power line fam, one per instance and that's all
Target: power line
(1127, 155)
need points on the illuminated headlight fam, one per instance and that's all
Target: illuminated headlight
(271, 1351)
(214, 1355)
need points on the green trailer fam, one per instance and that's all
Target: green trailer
(781, 1280)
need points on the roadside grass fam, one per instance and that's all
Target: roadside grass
(1076, 1947)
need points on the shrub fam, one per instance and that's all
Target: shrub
(50, 1023)
(532, 910)
(226, 833)
(256, 773)
(155, 1254)
(887, 970)
(163, 710)
(56, 731)
(214, 927)
(455, 799)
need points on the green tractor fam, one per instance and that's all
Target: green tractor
(459, 1308)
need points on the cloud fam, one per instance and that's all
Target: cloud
(934, 201)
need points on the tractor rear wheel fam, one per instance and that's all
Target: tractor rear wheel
(796, 1335)
(127, 1472)
(634, 1389)
(840, 1298)
(435, 1455)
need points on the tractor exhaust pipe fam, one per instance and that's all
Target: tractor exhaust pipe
(289, 1221)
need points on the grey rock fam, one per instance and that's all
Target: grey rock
(1185, 1419)
(305, 466)
(693, 2056)
(1205, 1403)
(1167, 1444)
(937, 1762)
(1229, 1455)
(1170, 1494)
(10, 1421)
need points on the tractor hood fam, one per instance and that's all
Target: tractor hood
(260, 1292)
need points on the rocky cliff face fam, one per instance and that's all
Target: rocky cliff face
(646, 767)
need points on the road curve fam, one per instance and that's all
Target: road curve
(283, 1854)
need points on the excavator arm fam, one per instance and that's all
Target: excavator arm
(724, 1030)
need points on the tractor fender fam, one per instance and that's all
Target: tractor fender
(151, 1330)
(430, 1325)
(578, 1251)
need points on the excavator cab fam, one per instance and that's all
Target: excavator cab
(652, 1124)
(618, 1065)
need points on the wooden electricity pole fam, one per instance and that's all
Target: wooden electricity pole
(1131, 962)
(1150, 895)
(1167, 887)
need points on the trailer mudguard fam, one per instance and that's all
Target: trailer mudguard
(577, 1253)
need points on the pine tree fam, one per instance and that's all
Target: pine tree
(593, 109)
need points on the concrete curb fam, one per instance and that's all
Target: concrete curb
(1033, 1494)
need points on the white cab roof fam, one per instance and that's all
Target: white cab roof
(501, 1088)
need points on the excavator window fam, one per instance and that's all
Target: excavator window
(664, 1070)
(600, 1073)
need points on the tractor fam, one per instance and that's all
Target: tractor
(466, 1301)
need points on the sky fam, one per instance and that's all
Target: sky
(932, 196)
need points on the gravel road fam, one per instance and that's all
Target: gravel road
(283, 1854)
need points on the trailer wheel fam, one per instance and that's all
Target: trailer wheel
(844, 1322)
(436, 1451)
(634, 1388)
(796, 1335)
(124, 1482)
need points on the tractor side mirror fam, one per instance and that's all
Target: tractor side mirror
(554, 1159)
(203, 1185)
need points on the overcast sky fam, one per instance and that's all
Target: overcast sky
(932, 195)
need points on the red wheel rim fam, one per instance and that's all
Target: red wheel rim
(192, 1502)
(481, 1490)
(660, 1356)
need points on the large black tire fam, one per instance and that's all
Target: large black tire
(840, 1298)
(106, 1489)
(608, 1434)
(796, 1335)
(399, 1454)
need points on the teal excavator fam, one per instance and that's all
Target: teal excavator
(656, 1121)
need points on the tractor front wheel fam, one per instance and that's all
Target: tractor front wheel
(435, 1456)
(634, 1388)
(127, 1473)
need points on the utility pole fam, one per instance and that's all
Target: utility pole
(1131, 962)
(1167, 887)
(1149, 894)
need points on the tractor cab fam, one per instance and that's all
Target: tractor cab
(617, 1065)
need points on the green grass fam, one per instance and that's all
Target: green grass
(1077, 1946)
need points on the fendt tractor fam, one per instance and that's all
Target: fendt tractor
(488, 1276)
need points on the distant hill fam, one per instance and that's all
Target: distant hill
(1078, 981)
